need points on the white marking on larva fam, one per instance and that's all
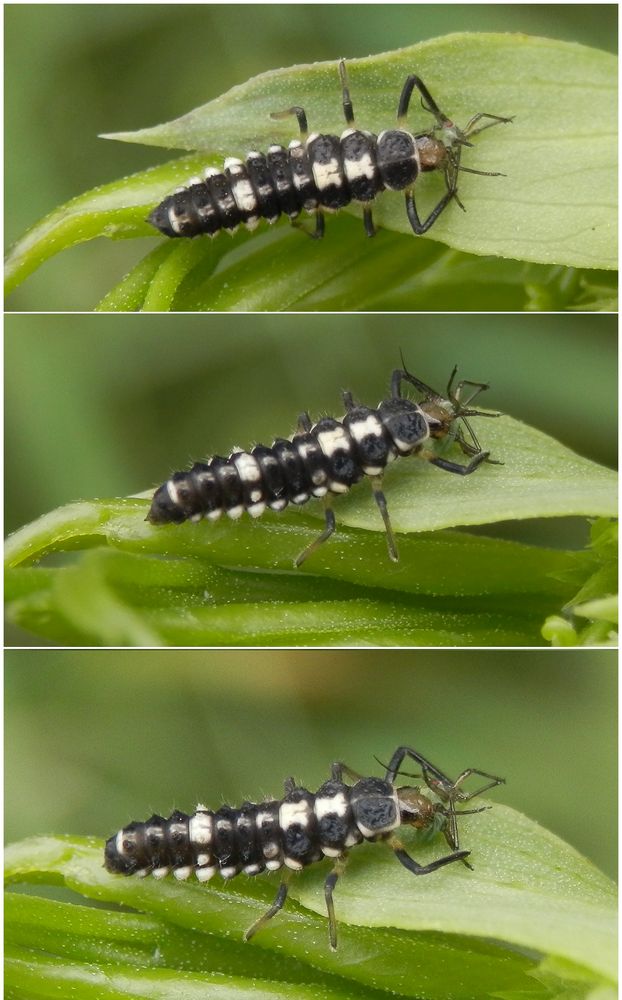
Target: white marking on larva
(295, 144)
(305, 448)
(247, 467)
(256, 509)
(211, 172)
(141, 872)
(300, 498)
(252, 222)
(202, 860)
(312, 137)
(338, 487)
(294, 813)
(232, 163)
(368, 427)
(228, 872)
(333, 805)
(200, 828)
(331, 852)
(263, 819)
(294, 864)
(355, 169)
(275, 149)
(180, 190)
(319, 477)
(372, 470)
(176, 220)
(244, 194)
(277, 504)
(255, 496)
(119, 842)
(347, 132)
(235, 512)
(206, 211)
(196, 518)
(204, 874)
(213, 515)
(224, 824)
(181, 874)
(327, 174)
(320, 491)
(273, 866)
(253, 155)
(252, 869)
(160, 872)
(194, 180)
(333, 440)
(405, 446)
(351, 840)
(171, 489)
(271, 850)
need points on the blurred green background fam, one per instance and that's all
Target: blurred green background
(73, 71)
(96, 739)
(98, 406)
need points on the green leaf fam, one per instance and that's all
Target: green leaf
(543, 211)
(235, 583)
(529, 892)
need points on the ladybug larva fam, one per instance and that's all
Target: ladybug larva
(301, 828)
(326, 458)
(321, 173)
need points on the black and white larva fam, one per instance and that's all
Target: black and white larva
(301, 828)
(327, 458)
(321, 173)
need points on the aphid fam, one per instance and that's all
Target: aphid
(301, 828)
(327, 458)
(321, 173)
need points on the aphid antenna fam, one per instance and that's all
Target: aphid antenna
(427, 390)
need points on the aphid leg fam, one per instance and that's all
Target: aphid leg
(460, 470)
(379, 497)
(428, 101)
(345, 91)
(419, 227)
(494, 781)
(428, 769)
(300, 116)
(328, 530)
(280, 898)
(303, 424)
(329, 885)
(289, 785)
(400, 376)
(368, 222)
(414, 867)
(469, 131)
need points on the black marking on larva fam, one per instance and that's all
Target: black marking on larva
(327, 458)
(301, 828)
(323, 173)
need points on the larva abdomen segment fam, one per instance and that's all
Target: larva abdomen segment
(294, 832)
(329, 458)
(323, 172)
